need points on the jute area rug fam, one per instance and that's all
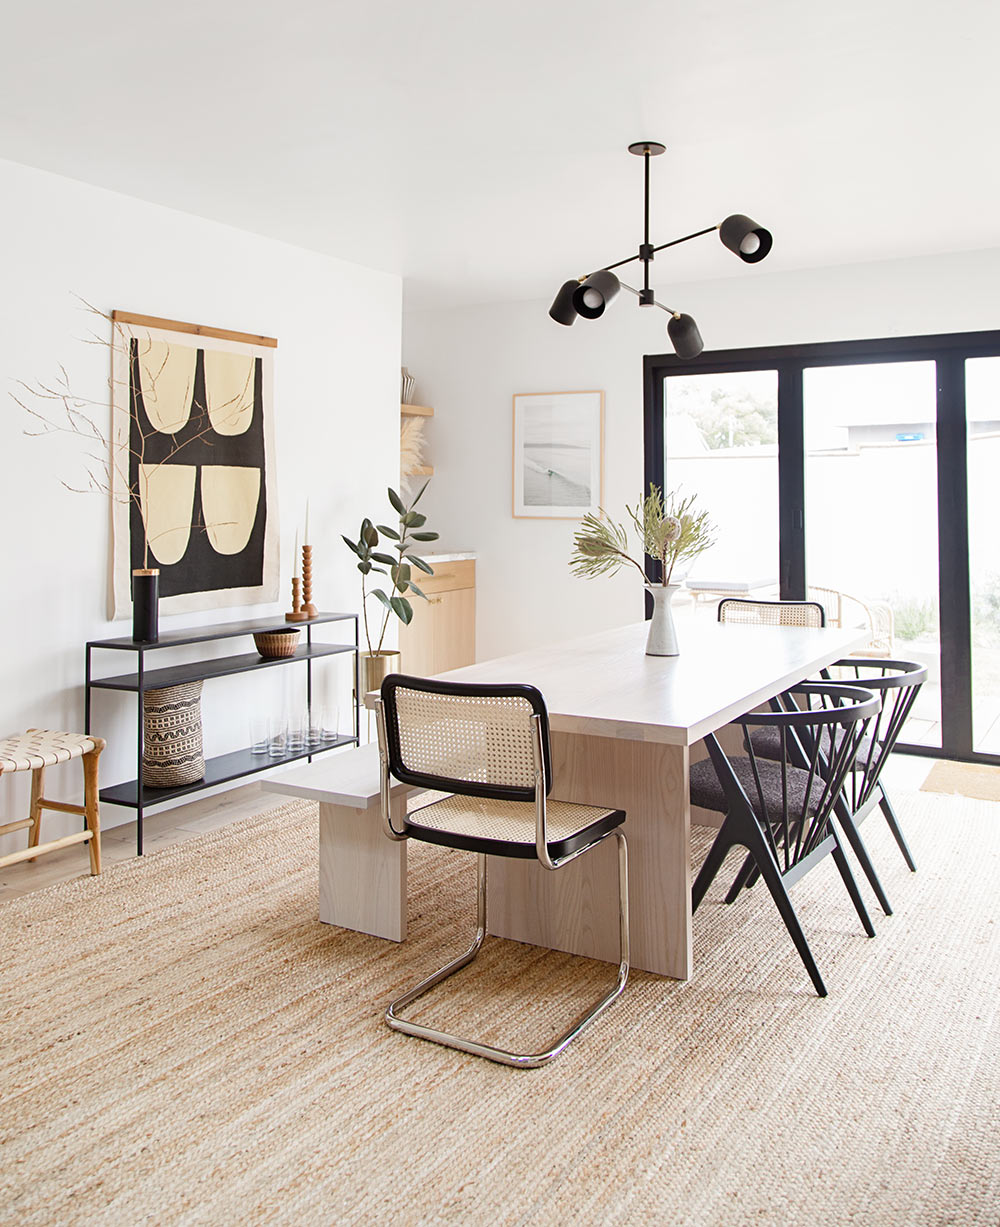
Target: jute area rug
(183, 1043)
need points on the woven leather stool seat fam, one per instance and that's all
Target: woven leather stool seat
(507, 828)
(35, 751)
(42, 748)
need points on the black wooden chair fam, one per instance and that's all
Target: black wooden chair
(897, 682)
(488, 748)
(783, 814)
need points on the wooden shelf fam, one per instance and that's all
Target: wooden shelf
(421, 470)
(416, 411)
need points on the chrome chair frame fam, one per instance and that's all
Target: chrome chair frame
(540, 758)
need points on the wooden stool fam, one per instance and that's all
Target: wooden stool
(34, 751)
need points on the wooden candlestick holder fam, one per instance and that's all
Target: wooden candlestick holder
(297, 614)
(308, 608)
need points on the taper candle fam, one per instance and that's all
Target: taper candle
(305, 539)
(297, 574)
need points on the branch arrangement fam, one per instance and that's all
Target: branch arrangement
(671, 530)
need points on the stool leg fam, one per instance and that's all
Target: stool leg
(35, 812)
(90, 802)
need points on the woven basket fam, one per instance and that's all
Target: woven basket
(172, 753)
(277, 643)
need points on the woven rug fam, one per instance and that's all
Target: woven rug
(183, 1043)
(968, 779)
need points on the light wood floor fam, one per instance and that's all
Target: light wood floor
(118, 843)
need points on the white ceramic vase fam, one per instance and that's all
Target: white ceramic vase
(662, 638)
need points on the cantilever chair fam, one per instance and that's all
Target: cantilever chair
(783, 814)
(771, 613)
(488, 747)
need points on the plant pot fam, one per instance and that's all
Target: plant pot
(662, 637)
(172, 752)
(145, 606)
(373, 667)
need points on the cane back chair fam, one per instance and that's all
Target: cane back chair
(783, 814)
(771, 613)
(487, 746)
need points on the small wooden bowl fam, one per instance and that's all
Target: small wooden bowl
(277, 643)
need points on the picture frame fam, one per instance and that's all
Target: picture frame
(557, 465)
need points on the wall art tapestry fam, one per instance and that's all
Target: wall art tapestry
(558, 465)
(192, 464)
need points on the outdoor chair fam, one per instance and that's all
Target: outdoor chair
(487, 747)
(783, 814)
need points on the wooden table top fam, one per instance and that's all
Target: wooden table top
(604, 685)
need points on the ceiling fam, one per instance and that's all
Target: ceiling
(478, 149)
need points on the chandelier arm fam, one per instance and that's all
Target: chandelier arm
(654, 303)
(608, 267)
(697, 235)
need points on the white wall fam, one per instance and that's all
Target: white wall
(336, 438)
(469, 362)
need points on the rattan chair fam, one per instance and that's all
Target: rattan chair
(782, 814)
(488, 748)
(897, 682)
(771, 613)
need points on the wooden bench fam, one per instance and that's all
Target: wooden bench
(362, 872)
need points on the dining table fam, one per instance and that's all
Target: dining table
(625, 728)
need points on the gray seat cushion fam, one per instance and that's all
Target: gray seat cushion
(766, 742)
(707, 792)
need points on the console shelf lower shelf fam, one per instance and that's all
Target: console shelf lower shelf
(217, 771)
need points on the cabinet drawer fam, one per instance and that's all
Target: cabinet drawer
(447, 576)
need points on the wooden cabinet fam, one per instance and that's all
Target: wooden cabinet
(442, 634)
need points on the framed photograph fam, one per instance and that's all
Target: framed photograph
(192, 464)
(558, 467)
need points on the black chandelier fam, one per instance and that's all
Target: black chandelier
(588, 296)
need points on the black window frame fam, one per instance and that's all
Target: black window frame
(949, 351)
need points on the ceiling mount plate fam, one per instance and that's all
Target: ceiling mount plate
(653, 148)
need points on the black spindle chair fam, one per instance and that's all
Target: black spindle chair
(897, 682)
(781, 813)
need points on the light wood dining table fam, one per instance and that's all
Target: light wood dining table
(624, 729)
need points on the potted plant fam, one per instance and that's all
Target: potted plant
(377, 661)
(672, 531)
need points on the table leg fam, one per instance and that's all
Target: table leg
(362, 873)
(575, 908)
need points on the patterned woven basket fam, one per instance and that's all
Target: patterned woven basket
(172, 753)
(277, 643)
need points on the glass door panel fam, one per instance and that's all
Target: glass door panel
(721, 444)
(871, 514)
(982, 399)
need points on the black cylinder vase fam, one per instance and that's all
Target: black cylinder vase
(145, 606)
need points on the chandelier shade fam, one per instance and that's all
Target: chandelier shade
(589, 295)
(593, 294)
(684, 336)
(745, 238)
(562, 310)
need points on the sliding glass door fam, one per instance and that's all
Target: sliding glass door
(871, 513)
(863, 475)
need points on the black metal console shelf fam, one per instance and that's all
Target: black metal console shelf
(133, 794)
